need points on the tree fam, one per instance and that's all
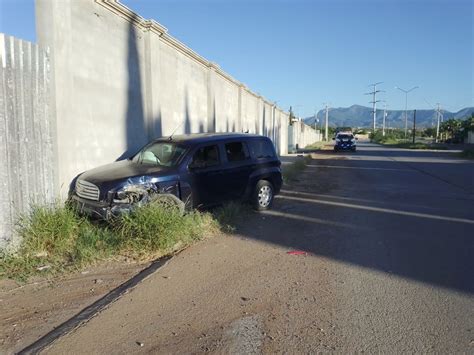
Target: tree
(468, 124)
(429, 132)
(453, 129)
(292, 117)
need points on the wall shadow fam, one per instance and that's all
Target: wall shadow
(136, 129)
(154, 128)
(396, 221)
(187, 118)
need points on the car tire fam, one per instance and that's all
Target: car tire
(168, 201)
(262, 198)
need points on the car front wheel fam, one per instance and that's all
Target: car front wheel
(263, 195)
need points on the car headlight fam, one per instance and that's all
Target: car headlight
(133, 194)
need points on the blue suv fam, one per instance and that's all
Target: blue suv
(188, 171)
(345, 141)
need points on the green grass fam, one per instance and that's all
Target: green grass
(467, 154)
(229, 214)
(315, 146)
(292, 171)
(416, 145)
(389, 141)
(396, 142)
(55, 239)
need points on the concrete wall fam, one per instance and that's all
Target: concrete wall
(26, 148)
(470, 137)
(301, 134)
(120, 80)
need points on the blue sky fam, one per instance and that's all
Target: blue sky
(305, 53)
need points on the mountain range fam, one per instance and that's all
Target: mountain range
(361, 116)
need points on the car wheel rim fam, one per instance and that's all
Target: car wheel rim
(265, 196)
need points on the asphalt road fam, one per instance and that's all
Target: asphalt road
(390, 240)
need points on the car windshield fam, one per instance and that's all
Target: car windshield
(345, 136)
(160, 153)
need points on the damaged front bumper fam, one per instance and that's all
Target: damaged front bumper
(98, 209)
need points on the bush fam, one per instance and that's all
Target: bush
(467, 153)
(391, 137)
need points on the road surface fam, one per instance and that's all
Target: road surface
(389, 237)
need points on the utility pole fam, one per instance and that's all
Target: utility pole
(374, 101)
(327, 123)
(437, 123)
(414, 125)
(406, 104)
(384, 119)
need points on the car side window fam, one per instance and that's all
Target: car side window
(262, 149)
(205, 157)
(236, 151)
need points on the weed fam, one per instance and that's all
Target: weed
(53, 238)
(291, 171)
(229, 214)
(467, 153)
(56, 239)
(155, 229)
(315, 146)
(416, 145)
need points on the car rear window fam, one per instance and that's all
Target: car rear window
(236, 151)
(262, 148)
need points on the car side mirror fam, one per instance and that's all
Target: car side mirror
(333, 138)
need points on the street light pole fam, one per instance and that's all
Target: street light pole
(384, 119)
(327, 123)
(437, 123)
(406, 105)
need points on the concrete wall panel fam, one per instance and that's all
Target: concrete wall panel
(183, 92)
(26, 153)
(226, 101)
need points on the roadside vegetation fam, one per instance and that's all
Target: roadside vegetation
(315, 146)
(456, 130)
(395, 138)
(291, 171)
(467, 153)
(56, 239)
(418, 145)
(450, 131)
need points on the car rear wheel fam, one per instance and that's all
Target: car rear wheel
(263, 195)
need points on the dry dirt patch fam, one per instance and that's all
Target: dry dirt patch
(31, 310)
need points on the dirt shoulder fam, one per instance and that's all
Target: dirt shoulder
(31, 310)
